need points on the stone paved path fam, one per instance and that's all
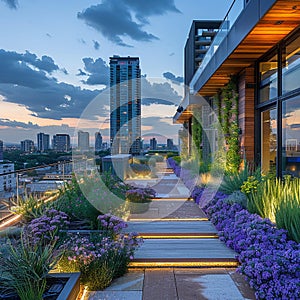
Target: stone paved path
(177, 237)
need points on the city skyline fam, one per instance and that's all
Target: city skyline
(49, 75)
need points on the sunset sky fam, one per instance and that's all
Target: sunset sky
(54, 59)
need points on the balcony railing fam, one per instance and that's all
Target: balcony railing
(234, 11)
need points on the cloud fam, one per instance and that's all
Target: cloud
(81, 73)
(172, 54)
(114, 18)
(13, 4)
(16, 124)
(145, 9)
(149, 101)
(159, 91)
(173, 78)
(25, 79)
(82, 41)
(96, 70)
(96, 45)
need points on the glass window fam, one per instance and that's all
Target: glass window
(268, 140)
(268, 79)
(291, 136)
(291, 67)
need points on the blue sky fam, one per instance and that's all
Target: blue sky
(54, 56)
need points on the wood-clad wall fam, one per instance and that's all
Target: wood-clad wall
(246, 113)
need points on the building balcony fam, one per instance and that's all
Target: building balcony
(245, 34)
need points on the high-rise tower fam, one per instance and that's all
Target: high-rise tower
(83, 140)
(125, 105)
(43, 142)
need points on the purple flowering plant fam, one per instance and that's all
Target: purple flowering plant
(100, 257)
(140, 195)
(269, 260)
(111, 225)
(46, 228)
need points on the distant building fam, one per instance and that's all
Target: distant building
(170, 144)
(43, 142)
(1, 151)
(27, 146)
(125, 105)
(98, 141)
(7, 182)
(61, 143)
(105, 146)
(83, 140)
(153, 144)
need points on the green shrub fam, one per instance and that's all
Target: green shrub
(233, 182)
(140, 170)
(30, 207)
(237, 197)
(25, 266)
(75, 205)
(250, 185)
(177, 159)
(245, 179)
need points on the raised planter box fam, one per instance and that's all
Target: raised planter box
(61, 286)
(71, 288)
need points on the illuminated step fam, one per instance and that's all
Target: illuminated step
(191, 263)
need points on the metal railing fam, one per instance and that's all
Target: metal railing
(25, 183)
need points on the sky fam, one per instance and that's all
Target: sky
(54, 62)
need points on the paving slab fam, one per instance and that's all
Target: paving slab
(115, 295)
(187, 249)
(207, 287)
(132, 281)
(171, 227)
(159, 284)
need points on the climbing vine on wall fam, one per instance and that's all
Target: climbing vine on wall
(197, 133)
(228, 117)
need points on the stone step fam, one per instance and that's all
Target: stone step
(177, 227)
(176, 235)
(184, 253)
(185, 263)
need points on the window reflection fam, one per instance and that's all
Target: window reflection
(291, 66)
(291, 136)
(268, 79)
(269, 140)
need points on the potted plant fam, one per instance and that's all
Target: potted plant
(137, 200)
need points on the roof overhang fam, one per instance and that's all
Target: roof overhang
(186, 108)
(259, 27)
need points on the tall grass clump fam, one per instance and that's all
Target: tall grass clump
(287, 213)
(278, 200)
(233, 181)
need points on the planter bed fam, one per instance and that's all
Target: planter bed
(60, 286)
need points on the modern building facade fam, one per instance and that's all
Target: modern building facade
(83, 140)
(1, 151)
(125, 105)
(98, 141)
(61, 143)
(258, 45)
(7, 177)
(199, 40)
(27, 146)
(43, 142)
